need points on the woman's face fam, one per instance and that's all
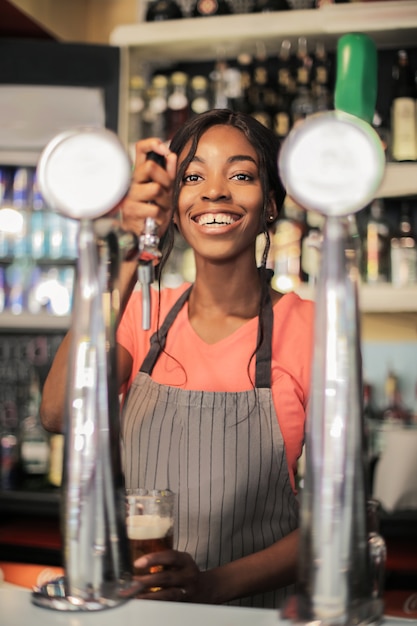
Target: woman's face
(221, 200)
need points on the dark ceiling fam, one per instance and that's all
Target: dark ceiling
(14, 23)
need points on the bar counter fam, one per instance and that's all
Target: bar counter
(16, 609)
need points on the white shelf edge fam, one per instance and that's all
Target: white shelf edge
(378, 298)
(27, 322)
(400, 179)
(25, 158)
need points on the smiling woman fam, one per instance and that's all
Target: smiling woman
(215, 393)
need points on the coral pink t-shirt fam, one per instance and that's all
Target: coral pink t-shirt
(190, 363)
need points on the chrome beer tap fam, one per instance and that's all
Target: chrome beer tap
(84, 174)
(149, 255)
(334, 163)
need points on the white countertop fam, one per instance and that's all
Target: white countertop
(16, 609)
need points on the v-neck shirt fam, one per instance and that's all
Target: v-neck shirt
(190, 363)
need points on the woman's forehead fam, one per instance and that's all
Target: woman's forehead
(225, 140)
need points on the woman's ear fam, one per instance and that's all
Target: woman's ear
(272, 212)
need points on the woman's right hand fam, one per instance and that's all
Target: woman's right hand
(151, 190)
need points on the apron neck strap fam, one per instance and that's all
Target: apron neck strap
(263, 354)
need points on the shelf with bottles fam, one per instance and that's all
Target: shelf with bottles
(387, 256)
(30, 457)
(389, 23)
(38, 249)
(148, 87)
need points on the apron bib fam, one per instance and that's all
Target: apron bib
(222, 453)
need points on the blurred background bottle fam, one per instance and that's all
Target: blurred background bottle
(377, 549)
(34, 442)
(303, 102)
(161, 10)
(199, 95)
(266, 6)
(394, 412)
(136, 104)
(404, 251)
(286, 247)
(178, 105)
(206, 8)
(376, 263)
(403, 111)
(9, 445)
(154, 115)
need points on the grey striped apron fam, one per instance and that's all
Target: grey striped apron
(221, 453)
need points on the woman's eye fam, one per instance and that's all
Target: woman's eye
(191, 178)
(242, 177)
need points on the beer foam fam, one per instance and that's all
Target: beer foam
(148, 526)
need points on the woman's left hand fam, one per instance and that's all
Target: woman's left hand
(174, 576)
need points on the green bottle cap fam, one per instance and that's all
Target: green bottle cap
(356, 76)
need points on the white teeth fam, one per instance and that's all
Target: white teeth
(215, 219)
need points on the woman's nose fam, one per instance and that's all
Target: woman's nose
(215, 188)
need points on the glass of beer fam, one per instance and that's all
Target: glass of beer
(149, 523)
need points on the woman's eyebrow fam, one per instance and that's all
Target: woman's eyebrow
(233, 159)
(242, 157)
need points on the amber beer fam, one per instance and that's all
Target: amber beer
(148, 533)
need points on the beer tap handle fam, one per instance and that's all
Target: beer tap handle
(149, 255)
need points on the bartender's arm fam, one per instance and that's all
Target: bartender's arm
(150, 195)
(54, 390)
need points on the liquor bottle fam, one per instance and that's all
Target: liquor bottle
(154, 115)
(233, 89)
(6, 180)
(284, 90)
(376, 262)
(286, 248)
(285, 69)
(161, 10)
(218, 84)
(55, 234)
(38, 224)
(321, 79)
(9, 446)
(267, 6)
(199, 95)
(206, 8)
(372, 430)
(262, 95)
(16, 279)
(34, 442)
(178, 105)
(311, 247)
(136, 105)
(244, 65)
(403, 111)
(377, 550)
(404, 251)
(394, 412)
(303, 102)
(22, 185)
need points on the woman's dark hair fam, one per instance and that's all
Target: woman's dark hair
(262, 139)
